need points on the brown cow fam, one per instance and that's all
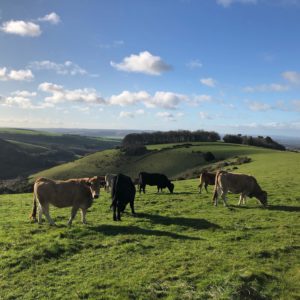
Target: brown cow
(242, 184)
(206, 178)
(78, 193)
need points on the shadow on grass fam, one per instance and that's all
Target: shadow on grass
(284, 208)
(113, 230)
(272, 207)
(187, 222)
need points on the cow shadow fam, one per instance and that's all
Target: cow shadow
(113, 230)
(187, 222)
(284, 208)
(271, 207)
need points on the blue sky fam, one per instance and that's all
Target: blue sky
(232, 66)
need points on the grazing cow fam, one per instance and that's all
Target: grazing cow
(160, 180)
(206, 178)
(242, 184)
(78, 193)
(108, 181)
(122, 193)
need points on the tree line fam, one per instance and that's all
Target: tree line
(165, 137)
(186, 136)
(260, 141)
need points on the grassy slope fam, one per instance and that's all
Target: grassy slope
(37, 150)
(172, 161)
(178, 247)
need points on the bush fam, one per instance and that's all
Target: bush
(208, 156)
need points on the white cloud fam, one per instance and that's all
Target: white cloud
(296, 104)
(19, 75)
(21, 28)
(144, 62)
(205, 116)
(52, 18)
(292, 76)
(258, 106)
(129, 98)
(131, 114)
(114, 44)
(24, 93)
(193, 64)
(273, 87)
(66, 68)
(59, 94)
(21, 99)
(166, 115)
(197, 99)
(167, 100)
(208, 82)
(227, 3)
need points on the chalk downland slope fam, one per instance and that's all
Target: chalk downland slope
(177, 247)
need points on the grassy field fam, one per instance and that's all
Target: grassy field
(177, 247)
(172, 161)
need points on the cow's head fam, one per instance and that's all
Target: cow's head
(171, 187)
(263, 198)
(94, 183)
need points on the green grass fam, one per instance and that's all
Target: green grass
(173, 162)
(177, 247)
(26, 132)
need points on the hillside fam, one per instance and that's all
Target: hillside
(28, 151)
(176, 161)
(177, 247)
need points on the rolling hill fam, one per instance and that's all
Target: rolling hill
(175, 160)
(178, 246)
(27, 151)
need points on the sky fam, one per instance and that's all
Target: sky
(231, 66)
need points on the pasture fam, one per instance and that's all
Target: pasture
(177, 247)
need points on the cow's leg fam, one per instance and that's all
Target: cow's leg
(83, 215)
(114, 212)
(200, 187)
(217, 192)
(205, 186)
(244, 199)
(132, 206)
(240, 199)
(224, 198)
(46, 213)
(40, 214)
(118, 213)
(73, 214)
(157, 189)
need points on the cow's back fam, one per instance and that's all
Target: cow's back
(237, 183)
(63, 193)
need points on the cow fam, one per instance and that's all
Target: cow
(122, 192)
(242, 184)
(206, 178)
(78, 193)
(108, 181)
(160, 180)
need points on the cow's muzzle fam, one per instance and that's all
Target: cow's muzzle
(96, 196)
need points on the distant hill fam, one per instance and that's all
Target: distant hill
(174, 160)
(112, 133)
(24, 152)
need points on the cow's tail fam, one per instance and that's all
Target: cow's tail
(34, 207)
(215, 195)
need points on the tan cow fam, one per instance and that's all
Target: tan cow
(206, 178)
(242, 184)
(78, 193)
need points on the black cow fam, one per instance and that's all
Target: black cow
(122, 193)
(160, 180)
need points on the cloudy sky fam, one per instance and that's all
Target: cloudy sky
(232, 66)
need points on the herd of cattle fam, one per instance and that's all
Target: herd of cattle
(80, 193)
